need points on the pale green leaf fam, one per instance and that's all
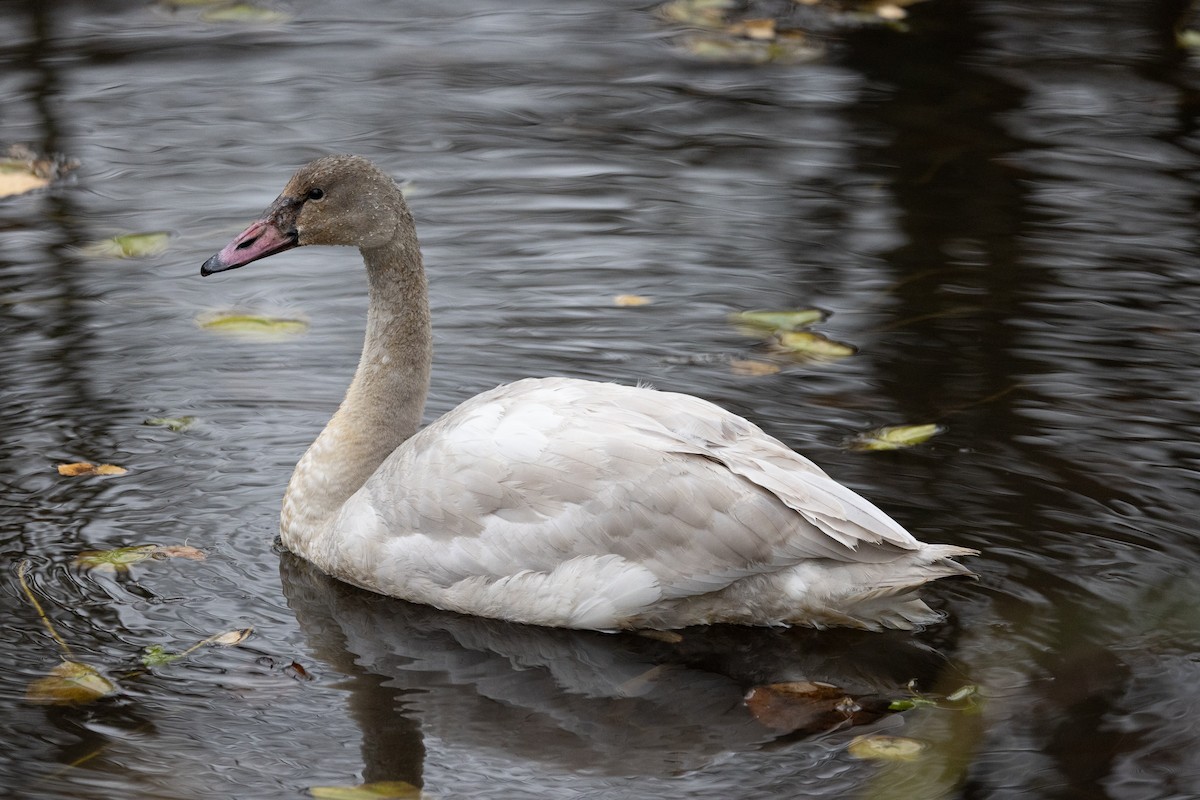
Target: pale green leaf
(70, 683)
(156, 655)
(130, 245)
(895, 437)
(176, 424)
(810, 344)
(117, 560)
(244, 13)
(886, 748)
(785, 320)
(970, 690)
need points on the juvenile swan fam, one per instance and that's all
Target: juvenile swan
(557, 501)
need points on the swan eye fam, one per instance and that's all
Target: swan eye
(315, 194)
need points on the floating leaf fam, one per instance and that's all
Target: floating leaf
(890, 11)
(761, 29)
(130, 245)
(70, 683)
(230, 638)
(697, 13)
(379, 790)
(895, 437)
(963, 693)
(180, 551)
(253, 324)
(791, 47)
(631, 300)
(785, 320)
(244, 13)
(886, 748)
(13, 182)
(116, 560)
(176, 424)
(1187, 39)
(809, 707)
(86, 468)
(810, 344)
(753, 368)
(910, 703)
(156, 656)
(21, 170)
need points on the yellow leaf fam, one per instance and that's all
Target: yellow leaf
(70, 683)
(895, 437)
(87, 468)
(380, 790)
(753, 368)
(236, 323)
(812, 345)
(886, 748)
(760, 29)
(631, 300)
(12, 183)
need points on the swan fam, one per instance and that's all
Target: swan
(556, 501)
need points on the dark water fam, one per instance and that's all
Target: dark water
(999, 207)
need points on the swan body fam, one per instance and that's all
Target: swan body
(557, 501)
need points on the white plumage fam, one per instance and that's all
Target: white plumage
(557, 501)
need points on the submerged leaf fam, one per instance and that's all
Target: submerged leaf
(810, 344)
(116, 560)
(13, 182)
(379, 790)
(180, 551)
(176, 424)
(751, 367)
(886, 748)
(895, 437)
(156, 655)
(808, 707)
(70, 683)
(130, 245)
(791, 47)
(253, 324)
(697, 13)
(784, 320)
(631, 300)
(245, 13)
(87, 468)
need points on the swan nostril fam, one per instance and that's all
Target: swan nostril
(247, 243)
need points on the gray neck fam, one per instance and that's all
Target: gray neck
(386, 398)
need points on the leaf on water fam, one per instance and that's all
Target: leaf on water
(910, 703)
(790, 47)
(12, 183)
(245, 13)
(1188, 39)
(771, 321)
(240, 323)
(886, 748)
(760, 29)
(809, 344)
(696, 13)
(753, 368)
(130, 245)
(895, 437)
(180, 551)
(116, 560)
(22, 170)
(87, 468)
(962, 693)
(156, 655)
(890, 11)
(176, 424)
(807, 706)
(379, 790)
(70, 683)
(230, 638)
(631, 300)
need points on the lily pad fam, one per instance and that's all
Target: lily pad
(240, 323)
(70, 683)
(176, 424)
(379, 790)
(785, 320)
(895, 437)
(809, 344)
(130, 245)
(886, 748)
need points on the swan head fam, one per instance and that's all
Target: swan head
(336, 200)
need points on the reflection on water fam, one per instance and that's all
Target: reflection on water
(998, 207)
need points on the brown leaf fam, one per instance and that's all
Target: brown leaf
(807, 707)
(70, 683)
(87, 468)
(181, 551)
